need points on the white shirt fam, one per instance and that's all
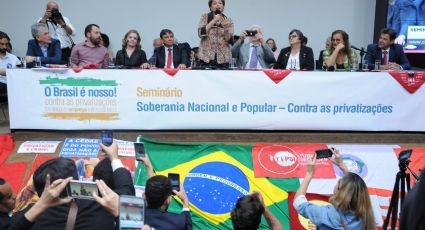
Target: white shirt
(166, 57)
(251, 49)
(57, 32)
(9, 61)
(293, 61)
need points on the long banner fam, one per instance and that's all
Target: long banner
(67, 99)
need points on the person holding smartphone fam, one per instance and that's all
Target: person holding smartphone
(255, 53)
(350, 204)
(158, 195)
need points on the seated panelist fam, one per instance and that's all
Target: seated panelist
(43, 46)
(131, 55)
(171, 55)
(340, 55)
(391, 55)
(296, 56)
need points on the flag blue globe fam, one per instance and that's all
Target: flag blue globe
(214, 187)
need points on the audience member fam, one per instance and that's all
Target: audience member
(7, 203)
(60, 28)
(110, 201)
(131, 55)
(255, 54)
(104, 41)
(272, 44)
(215, 30)
(297, 56)
(120, 181)
(340, 55)
(90, 51)
(248, 211)
(43, 46)
(327, 46)
(412, 214)
(391, 55)
(158, 192)
(170, 55)
(350, 204)
(63, 168)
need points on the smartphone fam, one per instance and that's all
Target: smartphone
(175, 181)
(82, 189)
(323, 153)
(132, 212)
(139, 150)
(250, 33)
(107, 137)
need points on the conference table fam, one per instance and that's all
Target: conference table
(98, 99)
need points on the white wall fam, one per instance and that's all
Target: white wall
(317, 19)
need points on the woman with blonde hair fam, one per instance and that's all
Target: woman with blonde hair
(350, 204)
(132, 55)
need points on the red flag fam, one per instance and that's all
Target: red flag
(411, 81)
(288, 161)
(297, 221)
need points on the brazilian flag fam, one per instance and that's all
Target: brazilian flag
(214, 177)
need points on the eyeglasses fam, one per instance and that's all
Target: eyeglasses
(292, 36)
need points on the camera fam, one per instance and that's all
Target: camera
(404, 155)
(250, 33)
(56, 15)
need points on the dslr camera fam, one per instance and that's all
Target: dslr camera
(56, 15)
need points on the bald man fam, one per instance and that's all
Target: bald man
(60, 28)
(7, 203)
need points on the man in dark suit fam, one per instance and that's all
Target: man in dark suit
(158, 194)
(391, 55)
(43, 46)
(170, 55)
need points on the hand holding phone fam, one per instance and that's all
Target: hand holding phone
(82, 189)
(250, 33)
(139, 150)
(175, 181)
(107, 137)
(132, 212)
(323, 153)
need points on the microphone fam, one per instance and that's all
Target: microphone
(362, 50)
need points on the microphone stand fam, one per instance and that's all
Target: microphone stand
(362, 53)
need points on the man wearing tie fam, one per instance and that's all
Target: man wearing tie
(255, 54)
(170, 55)
(391, 55)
